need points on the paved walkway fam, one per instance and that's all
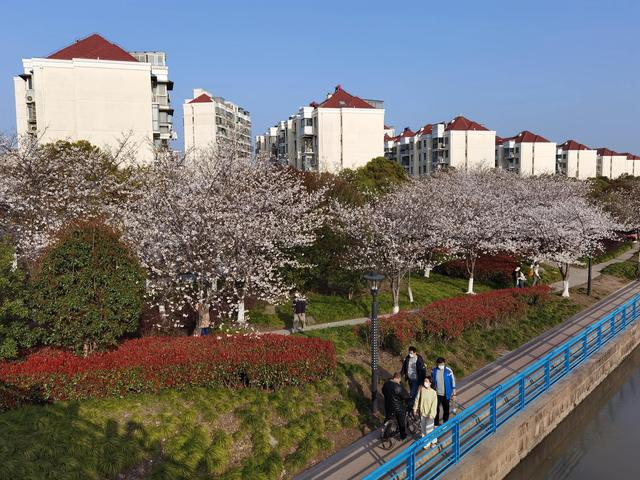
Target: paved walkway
(577, 276)
(364, 455)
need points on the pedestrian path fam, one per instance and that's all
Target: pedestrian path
(577, 277)
(364, 455)
(580, 276)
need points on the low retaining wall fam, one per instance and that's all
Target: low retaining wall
(498, 454)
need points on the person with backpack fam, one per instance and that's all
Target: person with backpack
(414, 370)
(444, 383)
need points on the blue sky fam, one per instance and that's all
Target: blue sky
(563, 69)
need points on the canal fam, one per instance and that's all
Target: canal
(600, 439)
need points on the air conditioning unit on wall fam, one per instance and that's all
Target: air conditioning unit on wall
(30, 96)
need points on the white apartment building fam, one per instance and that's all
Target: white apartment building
(610, 164)
(633, 166)
(576, 160)
(526, 154)
(94, 90)
(343, 131)
(209, 119)
(462, 144)
(410, 149)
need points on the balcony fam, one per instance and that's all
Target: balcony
(438, 144)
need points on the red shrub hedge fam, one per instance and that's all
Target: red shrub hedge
(494, 269)
(154, 363)
(448, 318)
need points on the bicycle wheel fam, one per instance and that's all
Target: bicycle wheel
(388, 431)
(411, 421)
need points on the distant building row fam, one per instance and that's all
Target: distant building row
(464, 144)
(346, 131)
(94, 90)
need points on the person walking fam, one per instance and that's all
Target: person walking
(299, 313)
(514, 275)
(444, 383)
(395, 396)
(426, 405)
(414, 370)
(535, 268)
(522, 280)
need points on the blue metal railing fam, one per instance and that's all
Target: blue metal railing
(482, 418)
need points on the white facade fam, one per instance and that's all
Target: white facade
(209, 119)
(526, 154)
(462, 144)
(412, 150)
(611, 164)
(97, 100)
(344, 131)
(576, 160)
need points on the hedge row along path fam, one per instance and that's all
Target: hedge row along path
(577, 277)
(364, 455)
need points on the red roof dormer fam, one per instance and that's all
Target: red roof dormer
(462, 123)
(93, 47)
(573, 145)
(526, 136)
(203, 98)
(343, 99)
(407, 133)
(426, 130)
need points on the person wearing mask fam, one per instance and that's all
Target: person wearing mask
(426, 406)
(395, 396)
(414, 370)
(444, 383)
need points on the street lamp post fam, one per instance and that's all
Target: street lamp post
(589, 279)
(374, 280)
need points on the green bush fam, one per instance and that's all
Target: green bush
(15, 332)
(88, 289)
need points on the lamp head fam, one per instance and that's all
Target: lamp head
(374, 280)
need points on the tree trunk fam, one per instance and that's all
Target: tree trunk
(564, 271)
(395, 290)
(427, 272)
(409, 291)
(470, 289)
(241, 317)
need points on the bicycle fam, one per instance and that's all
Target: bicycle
(390, 429)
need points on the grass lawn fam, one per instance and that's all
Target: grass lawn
(626, 269)
(332, 308)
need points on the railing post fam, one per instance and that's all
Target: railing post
(455, 442)
(633, 308)
(547, 374)
(584, 345)
(599, 340)
(624, 316)
(567, 359)
(613, 325)
(493, 411)
(411, 465)
(522, 387)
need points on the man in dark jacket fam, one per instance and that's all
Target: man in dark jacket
(394, 399)
(414, 370)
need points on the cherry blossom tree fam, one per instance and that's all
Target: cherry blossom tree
(213, 227)
(561, 223)
(480, 213)
(624, 205)
(391, 233)
(45, 186)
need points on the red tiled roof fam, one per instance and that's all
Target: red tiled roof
(407, 132)
(387, 127)
(499, 140)
(526, 136)
(631, 156)
(573, 145)
(606, 152)
(94, 46)
(462, 123)
(343, 99)
(388, 138)
(426, 130)
(202, 98)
